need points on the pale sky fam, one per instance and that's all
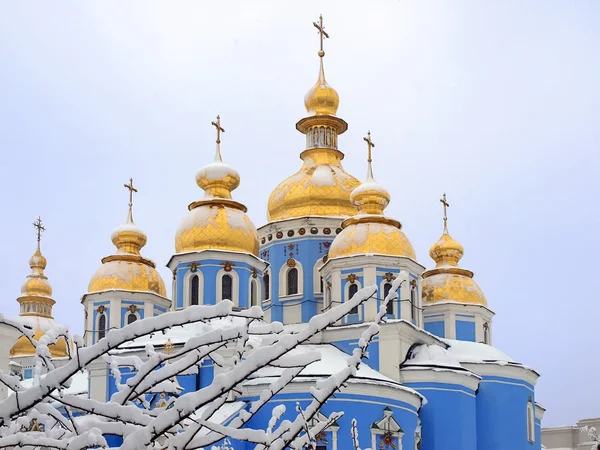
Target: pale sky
(496, 103)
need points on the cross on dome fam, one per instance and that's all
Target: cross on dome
(370, 145)
(322, 34)
(446, 205)
(39, 227)
(131, 191)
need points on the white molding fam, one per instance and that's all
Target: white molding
(269, 299)
(257, 290)
(347, 297)
(504, 370)
(120, 294)
(381, 293)
(220, 255)
(317, 277)
(283, 271)
(539, 411)
(428, 374)
(530, 421)
(126, 316)
(373, 260)
(235, 286)
(300, 222)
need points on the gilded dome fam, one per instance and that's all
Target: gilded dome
(370, 232)
(448, 282)
(217, 222)
(322, 99)
(41, 325)
(320, 188)
(127, 269)
(36, 304)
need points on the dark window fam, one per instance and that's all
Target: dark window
(486, 333)
(413, 304)
(351, 291)
(321, 288)
(390, 305)
(195, 290)
(226, 285)
(131, 318)
(321, 447)
(266, 287)
(101, 327)
(253, 301)
(292, 281)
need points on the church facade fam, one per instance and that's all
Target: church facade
(433, 379)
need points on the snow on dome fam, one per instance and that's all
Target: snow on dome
(323, 176)
(369, 186)
(216, 171)
(129, 227)
(432, 355)
(475, 352)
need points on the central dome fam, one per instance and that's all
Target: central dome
(217, 222)
(320, 188)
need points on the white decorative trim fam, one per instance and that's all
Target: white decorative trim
(235, 286)
(317, 278)
(395, 303)
(465, 379)
(257, 291)
(97, 327)
(126, 317)
(505, 370)
(530, 421)
(187, 288)
(283, 271)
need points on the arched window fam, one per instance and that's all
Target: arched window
(266, 287)
(253, 299)
(101, 326)
(530, 421)
(226, 287)
(131, 318)
(292, 281)
(352, 290)
(321, 285)
(390, 305)
(486, 333)
(194, 290)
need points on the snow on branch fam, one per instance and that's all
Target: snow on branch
(239, 343)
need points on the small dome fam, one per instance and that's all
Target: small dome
(322, 99)
(456, 287)
(37, 283)
(127, 269)
(128, 275)
(370, 232)
(41, 325)
(447, 282)
(217, 222)
(216, 227)
(371, 238)
(320, 188)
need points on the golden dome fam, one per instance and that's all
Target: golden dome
(320, 188)
(370, 232)
(36, 306)
(23, 346)
(217, 222)
(322, 99)
(448, 282)
(127, 269)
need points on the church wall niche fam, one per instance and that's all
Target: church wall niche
(436, 327)
(465, 330)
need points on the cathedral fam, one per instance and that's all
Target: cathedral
(433, 379)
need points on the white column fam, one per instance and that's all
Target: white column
(115, 313)
(8, 338)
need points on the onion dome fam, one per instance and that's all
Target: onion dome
(127, 269)
(370, 232)
(36, 305)
(321, 187)
(448, 282)
(217, 222)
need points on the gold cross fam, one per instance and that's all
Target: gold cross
(446, 205)
(319, 26)
(37, 224)
(131, 191)
(220, 130)
(370, 144)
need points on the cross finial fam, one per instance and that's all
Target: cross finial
(131, 191)
(39, 227)
(370, 144)
(322, 34)
(220, 129)
(446, 205)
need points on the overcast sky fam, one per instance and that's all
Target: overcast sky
(496, 103)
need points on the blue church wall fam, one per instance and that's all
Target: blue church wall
(209, 271)
(306, 250)
(125, 310)
(365, 409)
(502, 414)
(449, 418)
(348, 346)
(465, 331)
(438, 328)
